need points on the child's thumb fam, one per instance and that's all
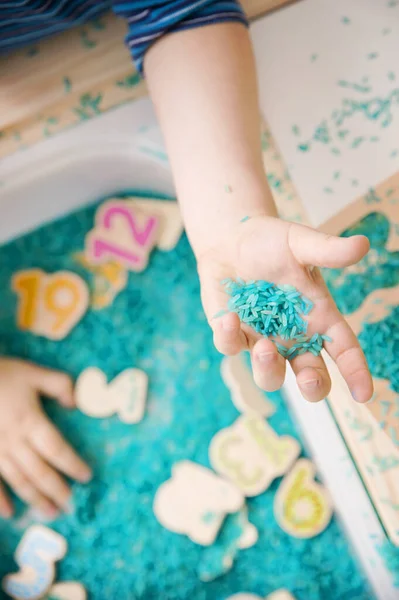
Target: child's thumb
(53, 384)
(311, 247)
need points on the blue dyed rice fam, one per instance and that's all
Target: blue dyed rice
(275, 312)
(380, 343)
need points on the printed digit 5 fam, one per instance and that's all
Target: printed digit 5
(36, 554)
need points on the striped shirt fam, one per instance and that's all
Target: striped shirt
(25, 22)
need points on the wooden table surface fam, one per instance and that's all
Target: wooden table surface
(72, 77)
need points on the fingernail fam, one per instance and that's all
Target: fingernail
(311, 384)
(357, 396)
(266, 357)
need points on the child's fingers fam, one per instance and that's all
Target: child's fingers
(227, 334)
(311, 247)
(24, 488)
(49, 443)
(345, 350)
(228, 337)
(312, 376)
(45, 478)
(6, 507)
(213, 297)
(268, 365)
(52, 384)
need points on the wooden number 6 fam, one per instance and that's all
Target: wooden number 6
(302, 506)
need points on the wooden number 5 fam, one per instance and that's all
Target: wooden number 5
(36, 554)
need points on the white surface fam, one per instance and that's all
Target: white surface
(298, 90)
(76, 167)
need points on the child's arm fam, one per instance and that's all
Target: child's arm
(202, 82)
(32, 451)
(203, 85)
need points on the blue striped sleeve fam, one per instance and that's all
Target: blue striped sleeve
(148, 20)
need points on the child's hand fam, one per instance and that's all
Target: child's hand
(283, 253)
(32, 450)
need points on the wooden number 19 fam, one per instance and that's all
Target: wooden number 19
(49, 305)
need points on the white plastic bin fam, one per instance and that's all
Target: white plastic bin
(123, 150)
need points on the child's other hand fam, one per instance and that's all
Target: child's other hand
(32, 451)
(274, 250)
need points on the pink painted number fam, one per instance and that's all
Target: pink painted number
(143, 238)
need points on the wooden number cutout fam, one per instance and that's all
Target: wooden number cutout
(171, 222)
(122, 233)
(49, 304)
(251, 454)
(108, 279)
(195, 501)
(277, 595)
(68, 590)
(301, 506)
(36, 554)
(125, 395)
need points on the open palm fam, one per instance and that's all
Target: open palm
(267, 248)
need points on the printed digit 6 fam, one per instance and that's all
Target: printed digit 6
(302, 506)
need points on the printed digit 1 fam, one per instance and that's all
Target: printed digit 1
(140, 237)
(27, 285)
(103, 249)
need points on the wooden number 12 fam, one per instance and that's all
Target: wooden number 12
(122, 234)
